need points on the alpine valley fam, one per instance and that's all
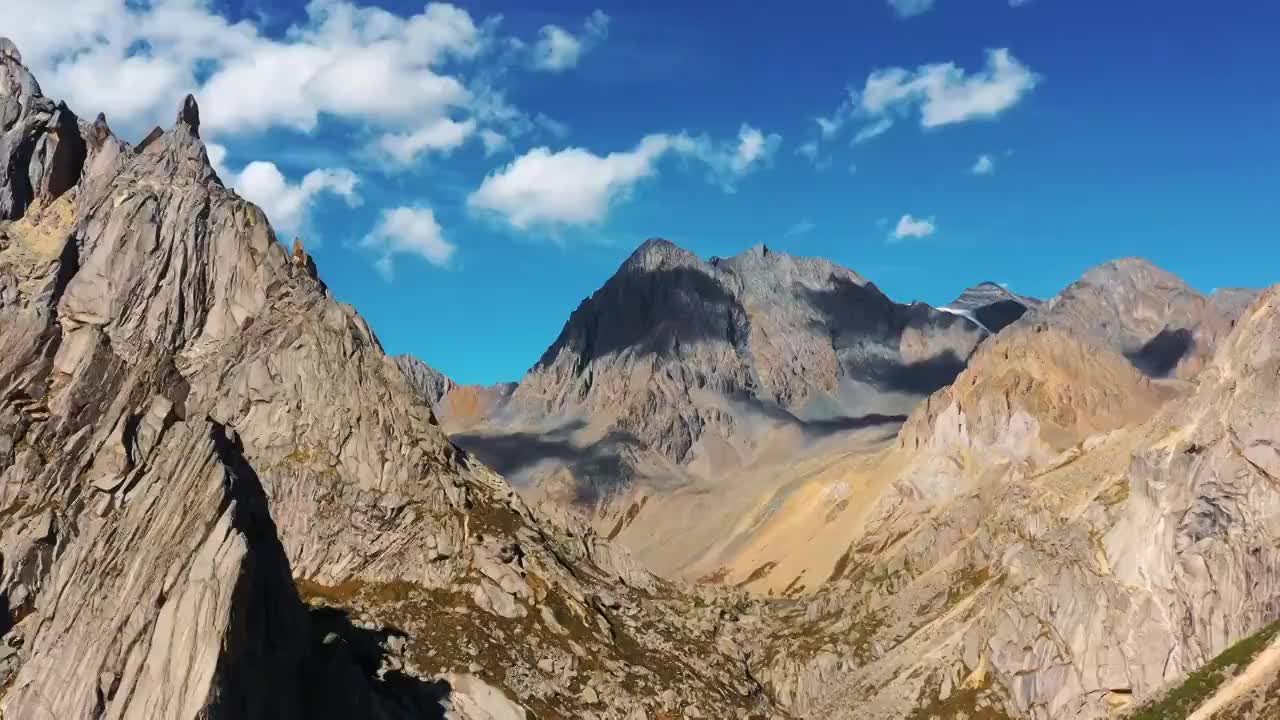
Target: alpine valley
(743, 487)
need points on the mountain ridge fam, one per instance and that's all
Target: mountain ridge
(222, 499)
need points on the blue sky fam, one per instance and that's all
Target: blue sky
(1131, 128)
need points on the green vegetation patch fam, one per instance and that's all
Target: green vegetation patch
(1201, 684)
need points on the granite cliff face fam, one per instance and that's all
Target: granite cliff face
(222, 500)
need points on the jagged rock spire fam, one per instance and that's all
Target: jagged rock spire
(189, 114)
(41, 149)
(9, 50)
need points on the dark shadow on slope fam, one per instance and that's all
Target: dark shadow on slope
(598, 469)
(355, 675)
(922, 377)
(848, 423)
(510, 453)
(651, 312)
(1000, 315)
(814, 428)
(853, 313)
(1160, 355)
(341, 670)
(866, 328)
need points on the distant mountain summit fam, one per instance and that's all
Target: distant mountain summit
(992, 306)
(456, 407)
(680, 367)
(1165, 327)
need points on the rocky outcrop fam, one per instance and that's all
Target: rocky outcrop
(219, 498)
(40, 140)
(430, 384)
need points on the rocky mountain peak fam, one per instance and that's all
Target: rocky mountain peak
(674, 354)
(990, 305)
(1135, 271)
(189, 115)
(9, 51)
(1162, 324)
(655, 254)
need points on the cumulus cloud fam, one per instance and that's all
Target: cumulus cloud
(135, 60)
(941, 94)
(910, 8)
(569, 187)
(417, 83)
(984, 165)
(442, 136)
(911, 227)
(754, 148)
(287, 205)
(407, 231)
(558, 49)
(575, 186)
(944, 94)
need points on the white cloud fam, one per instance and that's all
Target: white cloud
(804, 227)
(809, 150)
(493, 141)
(910, 8)
(569, 187)
(985, 165)
(872, 130)
(945, 94)
(577, 187)
(830, 125)
(911, 227)
(418, 83)
(135, 60)
(443, 136)
(408, 231)
(941, 93)
(286, 204)
(557, 49)
(754, 147)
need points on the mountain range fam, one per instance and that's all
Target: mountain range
(746, 487)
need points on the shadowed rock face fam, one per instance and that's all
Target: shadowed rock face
(220, 499)
(991, 306)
